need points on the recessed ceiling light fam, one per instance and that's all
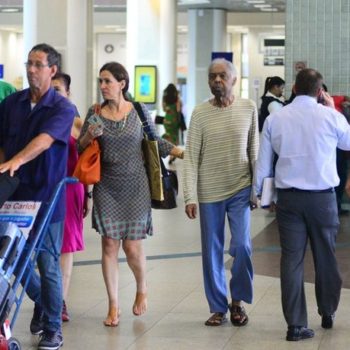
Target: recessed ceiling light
(266, 9)
(193, 2)
(262, 5)
(9, 10)
(256, 1)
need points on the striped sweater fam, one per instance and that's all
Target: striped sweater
(221, 149)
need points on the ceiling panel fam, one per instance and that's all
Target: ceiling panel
(183, 5)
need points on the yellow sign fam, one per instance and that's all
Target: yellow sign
(145, 84)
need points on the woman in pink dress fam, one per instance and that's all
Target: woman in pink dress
(77, 197)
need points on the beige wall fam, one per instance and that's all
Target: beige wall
(257, 71)
(11, 49)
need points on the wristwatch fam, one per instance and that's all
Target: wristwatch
(88, 194)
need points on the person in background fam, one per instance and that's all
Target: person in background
(35, 125)
(77, 199)
(341, 102)
(221, 149)
(121, 211)
(172, 108)
(272, 99)
(305, 135)
(6, 89)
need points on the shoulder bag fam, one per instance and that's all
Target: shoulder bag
(88, 168)
(162, 181)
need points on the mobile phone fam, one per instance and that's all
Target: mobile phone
(96, 120)
(320, 98)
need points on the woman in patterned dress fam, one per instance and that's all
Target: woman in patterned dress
(121, 200)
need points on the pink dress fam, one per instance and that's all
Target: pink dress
(73, 226)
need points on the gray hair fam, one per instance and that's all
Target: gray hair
(229, 66)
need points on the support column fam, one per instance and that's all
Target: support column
(142, 35)
(71, 36)
(168, 47)
(79, 52)
(206, 33)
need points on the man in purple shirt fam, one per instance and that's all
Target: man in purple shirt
(35, 126)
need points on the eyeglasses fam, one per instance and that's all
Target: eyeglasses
(37, 65)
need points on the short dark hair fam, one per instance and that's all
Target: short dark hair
(53, 57)
(65, 78)
(119, 72)
(308, 82)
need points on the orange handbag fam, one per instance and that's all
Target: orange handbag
(88, 168)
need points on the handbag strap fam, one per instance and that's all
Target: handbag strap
(148, 131)
(146, 127)
(97, 109)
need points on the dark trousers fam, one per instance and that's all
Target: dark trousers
(304, 216)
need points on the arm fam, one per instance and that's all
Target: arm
(191, 165)
(264, 163)
(252, 147)
(165, 147)
(35, 147)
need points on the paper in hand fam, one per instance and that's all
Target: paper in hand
(269, 193)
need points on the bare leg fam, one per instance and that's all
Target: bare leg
(66, 267)
(110, 249)
(137, 262)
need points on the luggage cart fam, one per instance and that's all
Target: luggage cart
(15, 248)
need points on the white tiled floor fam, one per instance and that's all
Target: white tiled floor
(177, 306)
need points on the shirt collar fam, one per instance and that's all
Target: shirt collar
(304, 99)
(270, 94)
(46, 100)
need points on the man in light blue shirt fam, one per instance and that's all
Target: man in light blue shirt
(304, 135)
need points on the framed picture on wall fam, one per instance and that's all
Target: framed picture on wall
(145, 84)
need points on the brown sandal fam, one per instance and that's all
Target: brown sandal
(238, 317)
(216, 319)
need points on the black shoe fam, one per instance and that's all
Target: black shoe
(37, 323)
(327, 321)
(51, 340)
(295, 333)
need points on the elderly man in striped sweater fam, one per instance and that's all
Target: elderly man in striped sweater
(221, 149)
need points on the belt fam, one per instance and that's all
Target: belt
(293, 189)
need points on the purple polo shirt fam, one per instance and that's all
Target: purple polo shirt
(19, 124)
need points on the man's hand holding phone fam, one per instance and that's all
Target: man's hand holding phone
(326, 99)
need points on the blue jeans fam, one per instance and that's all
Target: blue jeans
(46, 289)
(212, 220)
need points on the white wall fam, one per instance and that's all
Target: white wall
(11, 49)
(257, 70)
